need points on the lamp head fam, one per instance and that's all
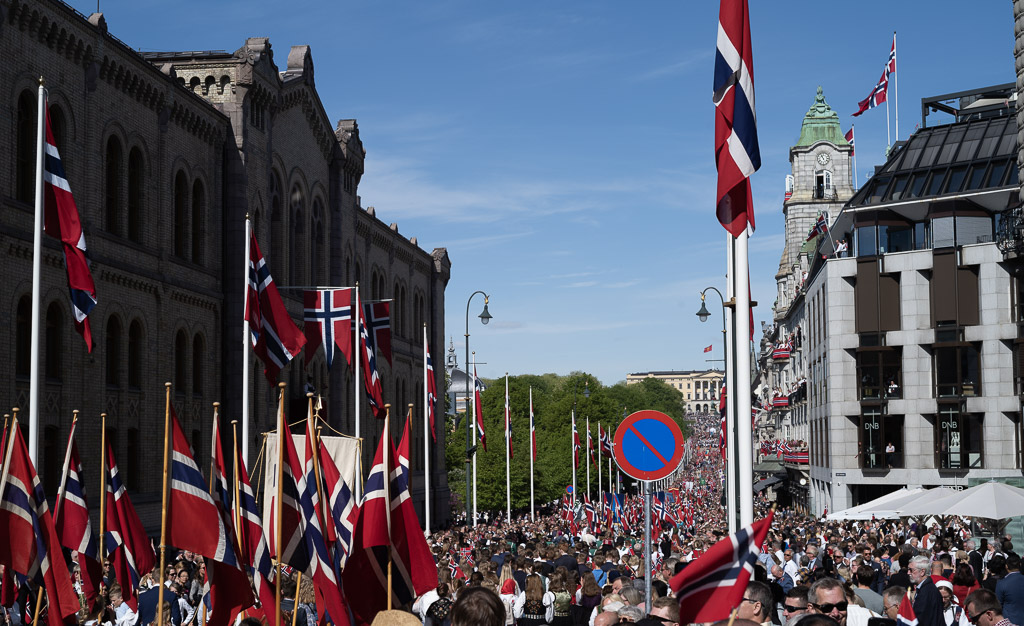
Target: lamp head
(703, 314)
(586, 389)
(485, 316)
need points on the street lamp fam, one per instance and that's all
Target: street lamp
(485, 317)
(703, 314)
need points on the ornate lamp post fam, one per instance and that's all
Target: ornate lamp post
(485, 317)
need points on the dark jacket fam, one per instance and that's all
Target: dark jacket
(928, 605)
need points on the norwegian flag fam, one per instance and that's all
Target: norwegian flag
(255, 553)
(275, 338)
(293, 551)
(328, 321)
(576, 444)
(606, 440)
(61, 221)
(478, 409)
(378, 318)
(590, 448)
(736, 149)
(589, 511)
(454, 570)
(128, 547)
(722, 438)
(533, 431)
(371, 380)
(342, 505)
(431, 390)
(31, 547)
(880, 92)
(198, 524)
(849, 140)
(713, 585)
(329, 597)
(386, 522)
(508, 421)
(403, 457)
(820, 227)
(71, 519)
(905, 615)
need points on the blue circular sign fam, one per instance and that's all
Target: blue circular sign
(648, 445)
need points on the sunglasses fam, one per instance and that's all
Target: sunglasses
(974, 618)
(827, 608)
(792, 609)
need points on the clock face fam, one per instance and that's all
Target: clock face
(823, 158)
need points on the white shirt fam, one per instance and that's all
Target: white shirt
(549, 606)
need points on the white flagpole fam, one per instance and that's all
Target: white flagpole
(587, 460)
(744, 444)
(888, 137)
(572, 456)
(853, 131)
(532, 515)
(476, 435)
(426, 437)
(357, 316)
(600, 444)
(37, 273)
(730, 402)
(246, 344)
(896, 87)
(508, 455)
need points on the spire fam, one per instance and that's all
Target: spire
(821, 123)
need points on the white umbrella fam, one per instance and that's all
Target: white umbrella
(989, 500)
(919, 504)
(866, 510)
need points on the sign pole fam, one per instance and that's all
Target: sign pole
(647, 544)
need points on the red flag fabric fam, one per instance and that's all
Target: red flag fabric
(328, 321)
(879, 94)
(342, 505)
(431, 390)
(378, 321)
(737, 154)
(371, 380)
(275, 338)
(255, 553)
(128, 548)
(293, 551)
(708, 349)
(905, 615)
(478, 409)
(61, 221)
(713, 585)
(849, 140)
(31, 546)
(71, 519)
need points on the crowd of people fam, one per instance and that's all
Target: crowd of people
(568, 570)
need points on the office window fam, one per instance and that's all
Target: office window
(958, 438)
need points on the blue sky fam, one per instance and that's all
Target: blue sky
(563, 151)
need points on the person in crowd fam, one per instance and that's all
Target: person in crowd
(534, 606)
(795, 604)
(1010, 590)
(478, 606)
(891, 599)
(827, 597)
(927, 601)
(983, 609)
(757, 604)
(964, 581)
(864, 579)
(665, 610)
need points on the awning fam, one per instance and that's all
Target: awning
(767, 482)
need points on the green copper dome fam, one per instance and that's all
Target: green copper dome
(820, 124)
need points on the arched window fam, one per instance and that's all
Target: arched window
(198, 357)
(23, 348)
(381, 286)
(405, 311)
(180, 361)
(197, 445)
(52, 459)
(135, 352)
(54, 343)
(374, 292)
(25, 174)
(396, 311)
(297, 236)
(180, 213)
(358, 277)
(316, 245)
(136, 194)
(276, 223)
(132, 462)
(113, 352)
(198, 221)
(58, 126)
(112, 193)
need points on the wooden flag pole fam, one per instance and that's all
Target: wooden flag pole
(282, 430)
(295, 607)
(103, 487)
(386, 442)
(39, 602)
(213, 470)
(314, 446)
(237, 512)
(163, 508)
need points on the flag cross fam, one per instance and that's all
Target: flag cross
(325, 315)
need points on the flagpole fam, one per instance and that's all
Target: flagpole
(730, 400)
(508, 456)
(476, 436)
(358, 400)
(163, 506)
(588, 461)
(600, 445)
(61, 491)
(853, 131)
(237, 513)
(896, 87)
(532, 436)
(426, 435)
(315, 446)
(572, 455)
(37, 273)
(386, 441)
(246, 344)
(282, 432)
(744, 449)
(103, 485)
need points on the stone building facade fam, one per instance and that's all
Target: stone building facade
(166, 155)
(701, 389)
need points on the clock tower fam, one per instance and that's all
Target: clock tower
(821, 182)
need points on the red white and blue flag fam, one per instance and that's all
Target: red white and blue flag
(478, 409)
(905, 615)
(880, 92)
(127, 545)
(328, 321)
(293, 551)
(30, 545)
(378, 318)
(342, 507)
(736, 149)
(275, 337)
(431, 390)
(61, 221)
(197, 523)
(820, 227)
(71, 519)
(606, 440)
(255, 553)
(576, 444)
(371, 379)
(849, 140)
(713, 585)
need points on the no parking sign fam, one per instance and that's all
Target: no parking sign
(648, 445)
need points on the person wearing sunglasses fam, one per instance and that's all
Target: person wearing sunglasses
(983, 609)
(827, 597)
(795, 603)
(891, 599)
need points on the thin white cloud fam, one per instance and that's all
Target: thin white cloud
(695, 60)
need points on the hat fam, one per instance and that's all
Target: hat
(509, 586)
(947, 585)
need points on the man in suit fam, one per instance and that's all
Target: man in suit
(974, 558)
(1010, 591)
(927, 599)
(565, 560)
